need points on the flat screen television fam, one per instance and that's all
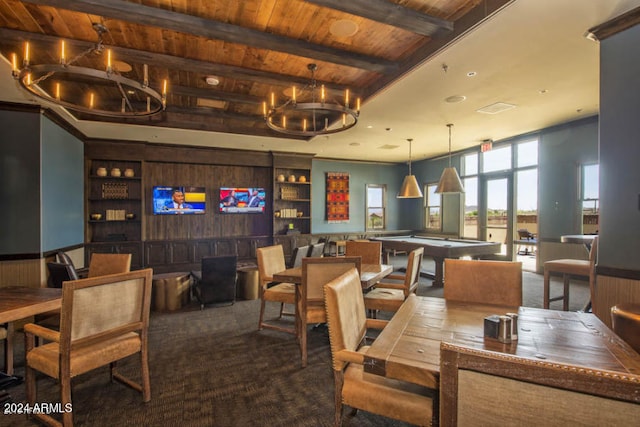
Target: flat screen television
(242, 200)
(178, 200)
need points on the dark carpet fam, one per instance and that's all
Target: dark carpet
(213, 368)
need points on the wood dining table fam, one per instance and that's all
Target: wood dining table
(408, 348)
(19, 302)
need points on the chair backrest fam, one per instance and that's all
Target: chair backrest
(104, 307)
(218, 270)
(297, 255)
(103, 264)
(371, 252)
(270, 261)
(64, 258)
(317, 272)
(485, 282)
(412, 275)
(59, 273)
(316, 250)
(346, 316)
(524, 234)
(475, 384)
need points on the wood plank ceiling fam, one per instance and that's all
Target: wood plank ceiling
(252, 47)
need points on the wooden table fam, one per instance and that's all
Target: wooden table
(370, 275)
(409, 347)
(17, 302)
(439, 248)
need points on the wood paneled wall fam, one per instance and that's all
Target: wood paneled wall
(611, 291)
(31, 273)
(212, 223)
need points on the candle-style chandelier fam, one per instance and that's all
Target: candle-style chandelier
(89, 90)
(309, 112)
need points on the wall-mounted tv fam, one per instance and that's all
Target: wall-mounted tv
(242, 200)
(178, 200)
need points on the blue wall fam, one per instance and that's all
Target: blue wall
(401, 213)
(62, 188)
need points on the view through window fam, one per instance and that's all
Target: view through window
(590, 198)
(376, 204)
(433, 215)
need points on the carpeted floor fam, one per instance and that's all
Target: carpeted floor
(213, 368)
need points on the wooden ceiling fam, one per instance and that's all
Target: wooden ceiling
(253, 47)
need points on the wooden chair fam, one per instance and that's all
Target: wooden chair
(317, 272)
(6, 334)
(103, 319)
(388, 296)
(570, 268)
(371, 252)
(103, 264)
(482, 387)
(482, 281)
(299, 252)
(348, 325)
(270, 261)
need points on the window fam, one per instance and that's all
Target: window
(590, 197)
(433, 212)
(498, 159)
(470, 182)
(376, 204)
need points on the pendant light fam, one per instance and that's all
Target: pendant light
(449, 180)
(410, 188)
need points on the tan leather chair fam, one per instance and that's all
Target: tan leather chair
(317, 272)
(388, 296)
(103, 319)
(625, 322)
(570, 268)
(371, 252)
(103, 264)
(484, 282)
(6, 334)
(353, 387)
(270, 261)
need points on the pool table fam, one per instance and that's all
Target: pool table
(439, 248)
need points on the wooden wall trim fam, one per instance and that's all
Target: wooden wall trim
(615, 25)
(618, 272)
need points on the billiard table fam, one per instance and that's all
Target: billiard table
(439, 248)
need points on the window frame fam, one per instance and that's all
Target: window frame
(428, 206)
(382, 208)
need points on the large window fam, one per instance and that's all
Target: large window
(376, 206)
(470, 183)
(590, 192)
(433, 210)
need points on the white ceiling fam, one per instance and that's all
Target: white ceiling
(529, 47)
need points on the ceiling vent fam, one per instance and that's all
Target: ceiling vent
(388, 147)
(496, 108)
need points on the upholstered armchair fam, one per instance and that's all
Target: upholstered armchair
(103, 264)
(317, 272)
(270, 261)
(348, 325)
(484, 282)
(389, 296)
(371, 252)
(103, 319)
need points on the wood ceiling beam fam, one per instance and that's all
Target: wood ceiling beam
(391, 14)
(168, 61)
(188, 24)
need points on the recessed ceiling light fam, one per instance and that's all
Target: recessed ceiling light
(369, 126)
(343, 28)
(542, 91)
(472, 74)
(455, 98)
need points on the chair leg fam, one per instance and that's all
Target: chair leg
(547, 279)
(338, 377)
(144, 367)
(565, 300)
(65, 400)
(261, 314)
